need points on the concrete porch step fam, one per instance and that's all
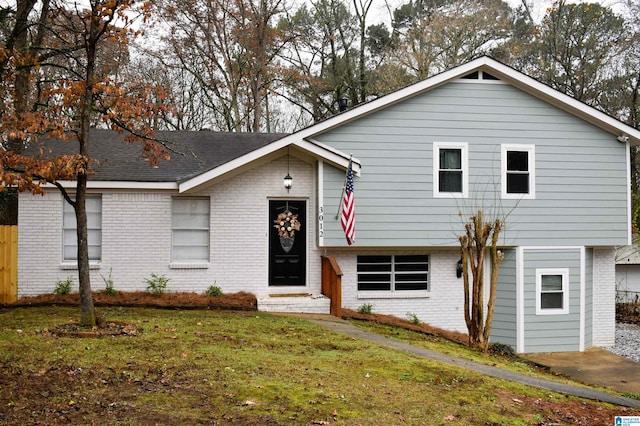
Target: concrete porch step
(304, 303)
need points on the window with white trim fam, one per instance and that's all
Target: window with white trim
(393, 272)
(94, 230)
(190, 230)
(450, 169)
(552, 291)
(518, 171)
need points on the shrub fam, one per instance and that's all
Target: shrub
(413, 318)
(63, 287)
(214, 291)
(156, 284)
(501, 349)
(367, 308)
(109, 290)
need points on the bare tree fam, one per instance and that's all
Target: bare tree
(229, 48)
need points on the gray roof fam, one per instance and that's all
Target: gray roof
(192, 153)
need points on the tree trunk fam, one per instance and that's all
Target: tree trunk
(464, 252)
(20, 44)
(496, 260)
(87, 310)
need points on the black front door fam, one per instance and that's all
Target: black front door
(287, 246)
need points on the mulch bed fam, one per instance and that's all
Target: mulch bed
(141, 299)
(399, 322)
(108, 328)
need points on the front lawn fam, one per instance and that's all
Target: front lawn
(230, 367)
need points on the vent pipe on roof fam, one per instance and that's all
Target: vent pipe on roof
(343, 104)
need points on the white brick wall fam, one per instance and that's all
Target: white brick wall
(444, 305)
(40, 243)
(136, 236)
(604, 294)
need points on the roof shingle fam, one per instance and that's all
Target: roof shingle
(192, 153)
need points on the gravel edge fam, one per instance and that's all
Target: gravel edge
(627, 341)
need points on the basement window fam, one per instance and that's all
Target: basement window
(393, 272)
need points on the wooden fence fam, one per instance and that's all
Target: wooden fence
(8, 264)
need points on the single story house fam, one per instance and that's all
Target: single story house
(481, 136)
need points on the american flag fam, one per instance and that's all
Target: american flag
(348, 218)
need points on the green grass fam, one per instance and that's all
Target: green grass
(193, 367)
(439, 344)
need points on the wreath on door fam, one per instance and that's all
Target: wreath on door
(287, 224)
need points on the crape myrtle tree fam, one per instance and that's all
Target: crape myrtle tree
(73, 90)
(480, 238)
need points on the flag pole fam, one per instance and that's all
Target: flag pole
(344, 185)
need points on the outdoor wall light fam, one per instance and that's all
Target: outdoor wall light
(459, 268)
(288, 180)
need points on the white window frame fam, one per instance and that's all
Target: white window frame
(464, 148)
(564, 273)
(72, 230)
(531, 151)
(190, 263)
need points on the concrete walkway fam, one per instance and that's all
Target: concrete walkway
(345, 327)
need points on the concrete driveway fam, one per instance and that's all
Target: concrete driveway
(595, 366)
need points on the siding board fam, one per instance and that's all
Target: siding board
(581, 182)
(504, 320)
(545, 333)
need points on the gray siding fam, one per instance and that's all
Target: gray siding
(588, 298)
(504, 320)
(581, 184)
(551, 333)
